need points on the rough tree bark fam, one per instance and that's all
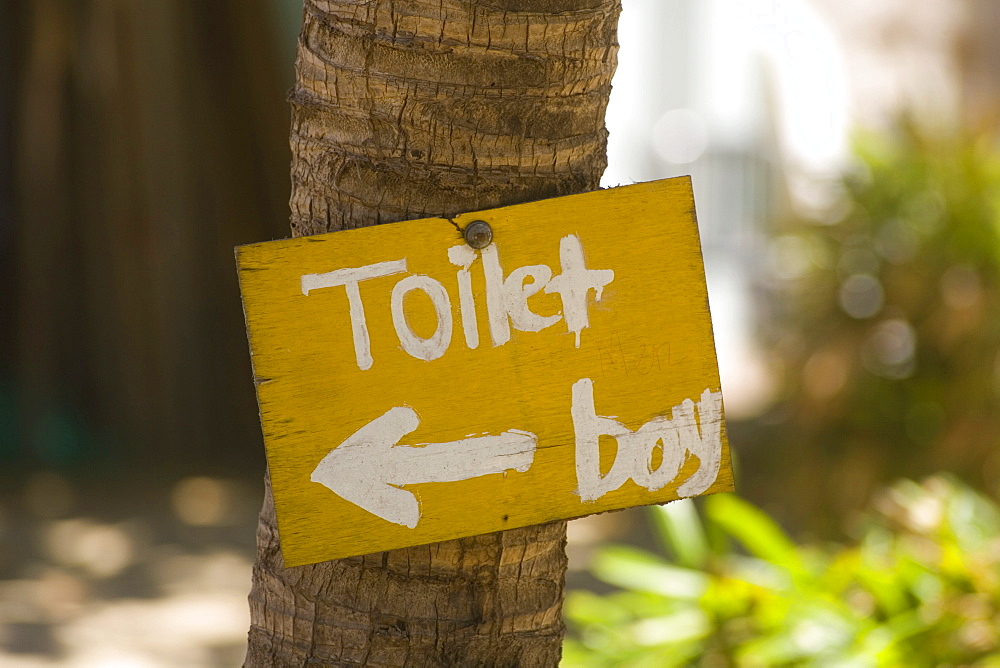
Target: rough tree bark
(412, 108)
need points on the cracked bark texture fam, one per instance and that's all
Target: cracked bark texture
(414, 108)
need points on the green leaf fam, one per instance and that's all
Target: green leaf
(679, 528)
(584, 607)
(758, 533)
(632, 568)
(682, 626)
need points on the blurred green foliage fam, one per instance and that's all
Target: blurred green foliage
(881, 312)
(919, 587)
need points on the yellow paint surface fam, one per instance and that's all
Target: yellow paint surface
(648, 347)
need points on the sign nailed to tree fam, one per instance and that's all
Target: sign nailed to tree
(413, 389)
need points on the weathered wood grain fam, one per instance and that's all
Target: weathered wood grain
(495, 599)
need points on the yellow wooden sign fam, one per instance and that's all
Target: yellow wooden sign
(413, 389)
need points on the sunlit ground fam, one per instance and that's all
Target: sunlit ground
(134, 583)
(157, 577)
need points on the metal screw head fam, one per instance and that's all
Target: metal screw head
(478, 234)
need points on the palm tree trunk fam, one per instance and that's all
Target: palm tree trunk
(410, 108)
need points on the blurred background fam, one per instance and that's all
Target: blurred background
(847, 173)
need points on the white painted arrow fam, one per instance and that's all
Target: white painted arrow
(368, 468)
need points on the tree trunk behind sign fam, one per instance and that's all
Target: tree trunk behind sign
(410, 109)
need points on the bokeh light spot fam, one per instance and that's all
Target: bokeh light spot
(202, 501)
(99, 549)
(825, 374)
(861, 296)
(890, 349)
(961, 287)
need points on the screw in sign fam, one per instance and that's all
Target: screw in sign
(415, 387)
